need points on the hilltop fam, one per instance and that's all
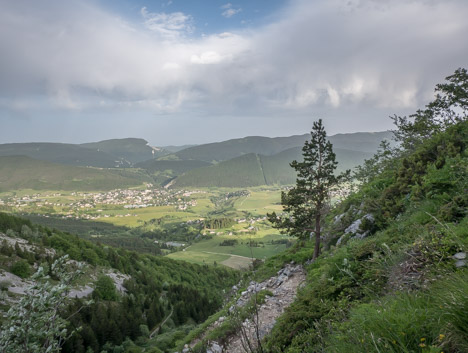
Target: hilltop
(62, 153)
(128, 150)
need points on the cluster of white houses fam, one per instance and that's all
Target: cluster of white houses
(96, 202)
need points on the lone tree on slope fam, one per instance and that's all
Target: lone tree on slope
(305, 205)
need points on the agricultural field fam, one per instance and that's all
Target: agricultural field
(238, 255)
(176, 221)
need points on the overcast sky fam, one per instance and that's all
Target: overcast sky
(187, 71)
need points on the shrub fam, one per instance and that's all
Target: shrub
(105, 289)
(21, 268)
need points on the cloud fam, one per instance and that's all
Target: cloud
(169, 26)
(209, 57)
(229, 10)
(347, 60)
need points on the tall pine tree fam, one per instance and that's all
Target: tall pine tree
(305, 205)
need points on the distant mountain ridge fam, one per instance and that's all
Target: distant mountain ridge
(248, 161)
(173, 149)
(129, 150)
(63, 153)
(22, 172)
(222, 151)
(225, 150)
(255, 160)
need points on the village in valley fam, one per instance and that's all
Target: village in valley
(93, 205)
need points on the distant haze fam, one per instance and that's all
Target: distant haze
(186, 72)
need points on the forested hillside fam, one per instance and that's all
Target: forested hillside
(63, 153)
(164, 170)
(159, 166)
(254, 170)
(21, 172)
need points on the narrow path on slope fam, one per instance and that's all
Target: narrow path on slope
(162, 323)
(283, 286)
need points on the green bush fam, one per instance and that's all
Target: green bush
(21, 268)
(105, 289)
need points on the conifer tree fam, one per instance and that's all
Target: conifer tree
(305, 205)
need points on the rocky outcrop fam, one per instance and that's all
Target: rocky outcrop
(354, 231)
(283, 288)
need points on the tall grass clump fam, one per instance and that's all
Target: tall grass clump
(433, 321)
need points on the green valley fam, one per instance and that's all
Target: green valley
(285, 176)
(215, 254)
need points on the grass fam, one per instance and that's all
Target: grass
(429, 321)
(236, 256)
(260, 202)
(140, 215)
(237, 263)
(198, 257)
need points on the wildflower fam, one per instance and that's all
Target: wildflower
(422, 345)
(441, 337)
(423, 339)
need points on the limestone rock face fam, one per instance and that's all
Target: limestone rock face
(354, 230)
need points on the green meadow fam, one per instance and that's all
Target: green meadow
(239, 255)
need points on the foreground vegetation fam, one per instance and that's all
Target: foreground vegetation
(400, 289)
(393, 273)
